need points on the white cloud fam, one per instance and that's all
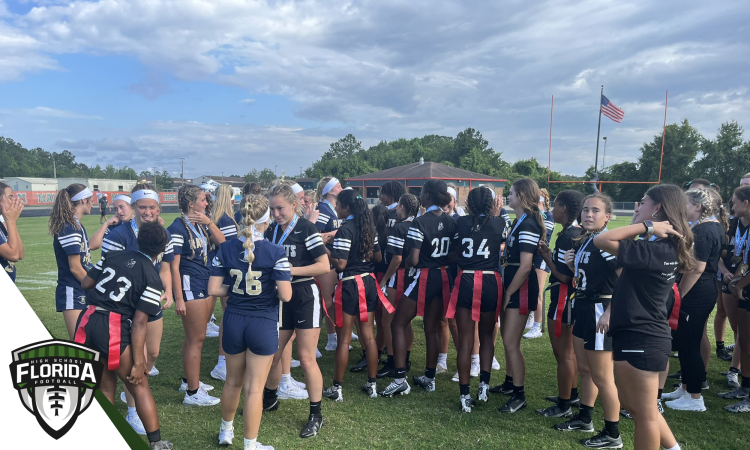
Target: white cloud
(44, 111)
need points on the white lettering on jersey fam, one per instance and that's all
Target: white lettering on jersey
(291, 250)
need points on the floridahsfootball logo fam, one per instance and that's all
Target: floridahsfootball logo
(56, 381)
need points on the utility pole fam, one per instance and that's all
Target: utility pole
(182, 171)
(54, 168)
(222, 177)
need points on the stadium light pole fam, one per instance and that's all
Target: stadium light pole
(182, 171)
(274, 170)
(604, 158)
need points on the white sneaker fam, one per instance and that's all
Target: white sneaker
(533, 333)
(318, 354)
(219, 372)
(484, 392)
(201, 398)
(530, 320)
(441, 368)
(678, 393)
(474, 370)
(495, 364)
(298, 383)
(137, 425)
(210, 332)
(687, 403)
(454, 378)
(467, 403)
(201, 386)
(123, 398)
(331, 346)
(154, 372)
(733, 380)
(354, 337)
(259, 446)
(291, 391)
(295, 363)
(213, 326)
(226, 436)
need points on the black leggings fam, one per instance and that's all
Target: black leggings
(688, 336)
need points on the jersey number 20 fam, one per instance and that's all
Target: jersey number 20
(252, 284)
(441, 247)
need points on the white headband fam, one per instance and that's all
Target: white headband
(452, 192)
(124, 198)
(255, 233)
(541, 198)
(297, 188)
(330, 185)
(144, 193)
(492, 191)
(85, 193)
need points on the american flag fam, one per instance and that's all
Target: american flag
(610, 110)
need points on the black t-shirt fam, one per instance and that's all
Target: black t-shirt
(596, 270)
(432, 235)
(735, 227)
(564, 243)
(125, 282)
(396, 238)
(302, 245)
(709, 240)
(640, 299)
(346, 245)
(479, 250)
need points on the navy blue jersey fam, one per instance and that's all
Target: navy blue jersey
(396, 240)
(7, 266)
(549, 224)
(189, 245)
(432, 234)
(479, 250)
(125, 282)
(71, 241)
(112, 228)
(228, 227)
(124, 238)
(327, 219)
(253, 293)
(238, 216)
(346, 245)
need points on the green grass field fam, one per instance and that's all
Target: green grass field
(419, 420)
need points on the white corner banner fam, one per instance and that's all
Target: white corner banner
(36, 415)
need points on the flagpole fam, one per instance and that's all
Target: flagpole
(598, 133)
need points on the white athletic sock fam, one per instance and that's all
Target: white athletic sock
(250, 443)
(475, 358)
(442, 358)
(222, 360)
(286, 378)
(131, 412)
(213, 318)
(226, 425)
(537, 325)
(331, 337)
(676, 447)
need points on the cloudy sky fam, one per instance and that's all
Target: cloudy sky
(236, 85)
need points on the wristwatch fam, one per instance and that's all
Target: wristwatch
(649, 227)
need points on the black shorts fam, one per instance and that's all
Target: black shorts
(98, 332)
(643, 351)
(434, 285)
(489, 292)
(350, 295)
(554, 302)
(406, 277)
(587, 314)
(531, 286)
(303, 310)
(103, 211)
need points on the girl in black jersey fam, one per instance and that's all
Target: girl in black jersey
(641, 338)
(301, 316)
(738, 286)
(698, 296)
(478, 292)
(381, 215)
(397, 277)
(542, 269)
(355, 250)
(566, 211)
(429, 242)
(520, 285)
(595, 273)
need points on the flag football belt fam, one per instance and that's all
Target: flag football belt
(300, 280)
(363, 317)
(476, 299)
(562, 299)
(113, 360)
(422, 293)
(674, 317)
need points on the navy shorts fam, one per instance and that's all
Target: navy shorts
(194, 288)
(257, 334)
(156, 317)
(540, 264)
(643, 351)
(69, 298)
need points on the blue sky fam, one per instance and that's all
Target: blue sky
(233, 85)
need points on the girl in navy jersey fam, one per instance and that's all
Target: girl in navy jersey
(192, 233)
(595, 272)
(355, 250)
(478, 292)
(11, 245)
(520, 285)
(304, 248)
(429, 243)
(397, 277)
(542, 269)
(71, 246)
(566, 211)
(328, 223)
(255, 274)
(223, 216)
(738, 287)
(123, 214)
(698, 297)
(641, 338)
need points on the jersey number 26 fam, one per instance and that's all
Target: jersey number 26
(252, 284)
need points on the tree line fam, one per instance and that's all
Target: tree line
(687, 155)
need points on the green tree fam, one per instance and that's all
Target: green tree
(725, 159)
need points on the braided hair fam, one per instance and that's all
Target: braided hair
(480, 203)
(254, 207)
(410, 203)
(252, 189)
(701, 197)
(573, 203)
(718, 209)
(188, 194)
(380, 215)
(362, 219)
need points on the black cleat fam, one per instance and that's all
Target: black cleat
(624, 412)
(396, 389)
(676, 376)
(386, 371)
(514, 404)
(575, 424)
(314, 424)
(555, 411)
(576, 402)
(360, 366)
(602, 440)
(724, 354)
(270, 405)
(505, 388)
